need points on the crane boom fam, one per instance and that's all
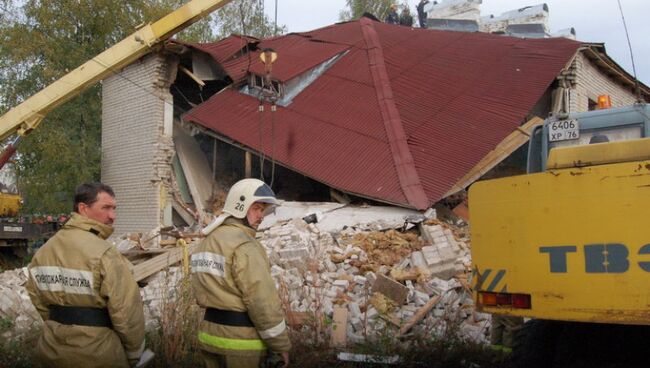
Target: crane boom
(23, 118)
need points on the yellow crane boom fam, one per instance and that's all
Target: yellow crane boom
(23, 118)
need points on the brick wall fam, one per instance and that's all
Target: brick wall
(591, 82)
(136, 141)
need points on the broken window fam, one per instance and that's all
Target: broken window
(257, 82)
(288, 90)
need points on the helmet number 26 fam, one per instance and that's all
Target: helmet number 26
(239, 206)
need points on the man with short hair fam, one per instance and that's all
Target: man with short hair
(83, 288)
(232, 279)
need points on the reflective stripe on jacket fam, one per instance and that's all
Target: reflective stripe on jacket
(230, 271)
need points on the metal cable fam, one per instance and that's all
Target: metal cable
(637, 87)
(273, 110)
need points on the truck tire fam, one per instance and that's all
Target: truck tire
(534, 345)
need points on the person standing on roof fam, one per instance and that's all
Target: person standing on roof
(83, 288)
(405, 19)
(422, 15)
(392, 17)
(231, 278)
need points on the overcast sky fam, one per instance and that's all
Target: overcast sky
(593, 20)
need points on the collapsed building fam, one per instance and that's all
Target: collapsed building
(356, 111)
(395, 115)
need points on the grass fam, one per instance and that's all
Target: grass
(18, 354)
(175, 341)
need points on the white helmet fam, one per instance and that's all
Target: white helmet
(246, 192)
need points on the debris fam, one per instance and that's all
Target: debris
(403, 280)
(382, 304)
(196, 169)
(462, 211)
(16, 307)
(421, 313)
(366, 358)
(160, 262)
(339, 327)
(391, 289)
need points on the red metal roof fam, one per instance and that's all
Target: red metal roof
(402, 115)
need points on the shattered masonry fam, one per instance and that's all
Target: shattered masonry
(378, 275)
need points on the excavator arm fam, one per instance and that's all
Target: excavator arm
(25, 117)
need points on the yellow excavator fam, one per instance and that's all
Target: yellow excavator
(567, 244)
(26, 117)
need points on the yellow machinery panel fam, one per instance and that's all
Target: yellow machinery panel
(10, 204)
(576, 239)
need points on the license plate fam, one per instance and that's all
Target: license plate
(13, 229)
(563, 130)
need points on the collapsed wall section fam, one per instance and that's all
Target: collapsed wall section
(137, 146)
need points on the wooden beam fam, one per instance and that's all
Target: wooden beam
(419, 315)
(391, 289)
(160, 262)
(192, 76)
(339, 327)
(507, 146)
(248, 161)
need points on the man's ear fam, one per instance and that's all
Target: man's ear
(82, 207)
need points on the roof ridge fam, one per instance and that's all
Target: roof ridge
(404, 164)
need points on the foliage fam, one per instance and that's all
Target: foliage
(356, 8)
(245, 17)
(175, 342)
(6, 324)
(17, 354)
(40, 41)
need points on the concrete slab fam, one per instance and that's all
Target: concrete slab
(195, 167)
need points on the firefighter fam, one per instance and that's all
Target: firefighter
(231, 278)
(83, 289)
(503, 331)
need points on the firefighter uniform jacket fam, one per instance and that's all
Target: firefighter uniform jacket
(79, 272)
(231, 274)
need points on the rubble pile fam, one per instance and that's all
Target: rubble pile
(17, 313)
(364, 276)
(161, 288)
(382, 278)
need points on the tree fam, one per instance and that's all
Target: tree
(245, 17)
(40, 41)
(356, 8)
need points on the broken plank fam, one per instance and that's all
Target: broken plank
(159, 262)
(419, 315)
(339, 327)
(391, 289)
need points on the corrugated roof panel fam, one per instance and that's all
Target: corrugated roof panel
(347, 33)
(343, 104)
(354, 67)
(227, 48)
(357, 162)
(457, 95)
(296, 55)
